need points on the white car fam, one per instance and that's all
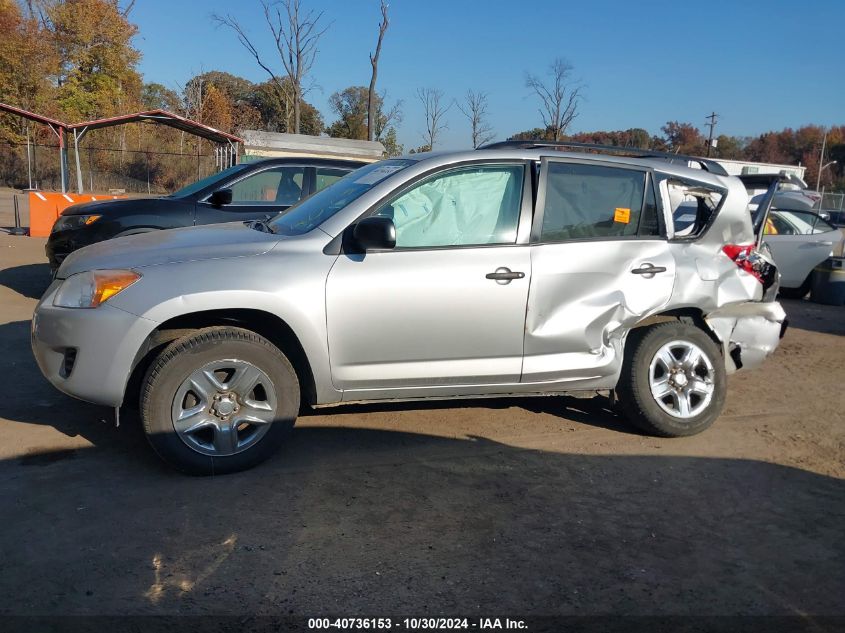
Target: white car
(800, 241)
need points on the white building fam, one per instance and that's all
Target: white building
(741, 167)
(259, 144)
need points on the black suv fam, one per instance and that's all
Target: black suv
(248, 191)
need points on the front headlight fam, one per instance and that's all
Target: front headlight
(68, 222)
(93, 287)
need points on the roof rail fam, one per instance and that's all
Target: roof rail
(637, 152)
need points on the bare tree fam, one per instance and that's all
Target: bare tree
(559, 97)
(296, 34)
(372, 122)
(386, 117)
(434, 110)
(475, 109)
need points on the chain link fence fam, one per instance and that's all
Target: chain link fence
(833, 201)
(103, 169)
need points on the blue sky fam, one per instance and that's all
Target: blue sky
(762, 65)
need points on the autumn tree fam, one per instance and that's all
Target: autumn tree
(28, 61)
(392, 146)
(434, 110)
(296, 34)
(633, 137)
(731, 147)
(155, 96)
(351, 107)
(559, 95)
(274, 107)
(474, 108)
(98, 73)
(239, 93)
(683, 138)
(217, 109)
(372, 96)
(537, 133)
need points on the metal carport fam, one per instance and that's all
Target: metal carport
(227, 144)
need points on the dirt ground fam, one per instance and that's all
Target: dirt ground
(534, 506)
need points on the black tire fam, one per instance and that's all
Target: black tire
(191, 353)
(633, 391)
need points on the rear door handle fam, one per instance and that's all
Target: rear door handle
(504, 275)
(649, 269)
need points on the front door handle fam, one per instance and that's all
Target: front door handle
(504, 275)
(649, 269)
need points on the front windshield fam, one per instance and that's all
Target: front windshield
(199, 185)
(313, 211)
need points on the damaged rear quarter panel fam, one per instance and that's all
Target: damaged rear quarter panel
(582, 301)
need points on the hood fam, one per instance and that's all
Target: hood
(109, 207)
(213, 241)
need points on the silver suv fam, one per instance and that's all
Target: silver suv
(513, 270)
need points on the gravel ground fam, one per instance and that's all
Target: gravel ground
(534, 506)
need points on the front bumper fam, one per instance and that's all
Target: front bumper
(60, 244)
(749, 332)
(103, 340)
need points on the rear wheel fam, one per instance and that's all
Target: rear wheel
(673, 380)
(218, 401)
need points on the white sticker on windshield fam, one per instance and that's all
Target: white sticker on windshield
(379, 173)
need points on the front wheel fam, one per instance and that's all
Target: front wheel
(217, 401)
(673, 380)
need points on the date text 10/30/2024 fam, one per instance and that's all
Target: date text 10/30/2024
(412, 624)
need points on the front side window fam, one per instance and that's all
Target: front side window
(277, 186)
(464, 207)
(208, 181)
(595, 201)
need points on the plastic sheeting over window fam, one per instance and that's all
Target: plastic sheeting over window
(590, 201)
(472, 206)
(692, 205)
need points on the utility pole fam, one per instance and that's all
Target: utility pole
(821, 162)
(712, 125)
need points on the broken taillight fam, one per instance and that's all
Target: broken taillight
(749, 259)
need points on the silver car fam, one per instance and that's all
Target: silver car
(495, 272)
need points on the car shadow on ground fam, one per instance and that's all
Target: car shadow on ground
(594, 411)
(31, 399)
(357, 521)
(814, 317)
(30, 280)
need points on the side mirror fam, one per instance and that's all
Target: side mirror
(221, 197)
(374, 233)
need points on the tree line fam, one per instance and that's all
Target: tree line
(74, 60)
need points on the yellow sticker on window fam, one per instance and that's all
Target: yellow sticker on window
(622, 215)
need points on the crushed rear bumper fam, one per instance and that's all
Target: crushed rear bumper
(749, 332)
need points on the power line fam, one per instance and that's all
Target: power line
(712, 125)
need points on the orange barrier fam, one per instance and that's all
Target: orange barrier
(45, 207)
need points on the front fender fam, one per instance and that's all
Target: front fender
(290, 288)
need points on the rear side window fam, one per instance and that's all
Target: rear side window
(783, 222)
(594, 201)
(328, 176)
(692, 206)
